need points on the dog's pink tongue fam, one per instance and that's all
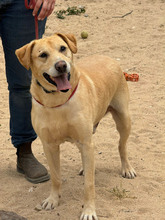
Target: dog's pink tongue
(62, 82)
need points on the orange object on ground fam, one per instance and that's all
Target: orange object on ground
(131, 77)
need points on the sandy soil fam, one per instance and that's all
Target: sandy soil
(137, 41)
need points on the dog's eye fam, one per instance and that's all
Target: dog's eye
(62, 48)
(43, 55)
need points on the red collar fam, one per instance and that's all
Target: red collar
(60, 104)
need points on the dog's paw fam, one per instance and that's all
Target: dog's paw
(128, 172)
(50, 203)
(88, 214)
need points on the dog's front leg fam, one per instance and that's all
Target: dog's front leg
(52, 153)
(87, 151)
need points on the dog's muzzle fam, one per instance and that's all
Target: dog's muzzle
(61, 66)
(61, 81)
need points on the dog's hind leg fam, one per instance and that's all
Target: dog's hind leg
(121, 117)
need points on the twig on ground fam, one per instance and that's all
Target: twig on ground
(123, 15)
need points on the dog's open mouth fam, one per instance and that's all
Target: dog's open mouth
(61, 82)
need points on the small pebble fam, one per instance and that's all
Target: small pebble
(38, 207)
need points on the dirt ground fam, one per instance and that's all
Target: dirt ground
(137, 41)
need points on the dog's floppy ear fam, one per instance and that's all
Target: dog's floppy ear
(70, 40)
(24, 54)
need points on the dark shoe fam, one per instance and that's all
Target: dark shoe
(27, 164)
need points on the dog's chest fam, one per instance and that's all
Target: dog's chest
(54, 127)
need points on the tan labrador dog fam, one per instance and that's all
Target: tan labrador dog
(68, 102)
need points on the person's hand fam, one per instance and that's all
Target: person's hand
(47, 7)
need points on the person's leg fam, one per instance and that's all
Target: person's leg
(17, 29)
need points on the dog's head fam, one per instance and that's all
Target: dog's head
(50, 60)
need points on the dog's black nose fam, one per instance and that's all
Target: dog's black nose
(61, 66)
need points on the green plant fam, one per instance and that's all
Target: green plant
(70, 11)
(121, 193)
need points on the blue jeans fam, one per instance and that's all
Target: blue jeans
(17, 28)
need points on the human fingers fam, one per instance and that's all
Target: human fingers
(51, 9)
(37, 7)
(47, 8)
